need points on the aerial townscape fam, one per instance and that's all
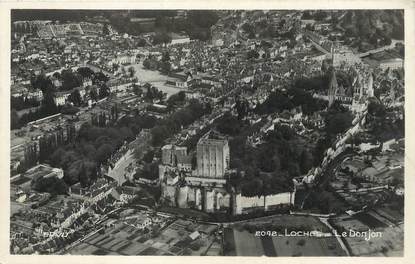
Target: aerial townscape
(207, 132)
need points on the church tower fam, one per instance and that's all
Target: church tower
(370, 91)
(333, 87)
(334, 62)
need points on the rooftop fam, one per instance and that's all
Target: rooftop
(213, 136)
(41, 171)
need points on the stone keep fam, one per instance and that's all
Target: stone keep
(212, 157)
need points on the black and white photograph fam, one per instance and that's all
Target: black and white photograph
(207, 132)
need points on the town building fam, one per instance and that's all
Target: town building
(392, 64)
(61, 97)
(171, 154)
(23, 181)
(179, 39)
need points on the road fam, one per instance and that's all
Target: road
(118, 172)
(323, 180)
(319, 47)
(328, 173)
(334, 231)
(96, 69)
(373, 51)
(363, 54)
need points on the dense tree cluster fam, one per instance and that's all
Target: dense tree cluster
(176, 99)
(99, 78)
(75, 97)
(161, 38)
(137, 89)
(20, 103)
(382, 127)
(269, 167)
(149, 171)
(151, 63)
(80, 157)
(70, 80)
(43, 83)
(363, 30)
(249, 30)
(338, 119)
(163, 65)
(313, 83)
(80, 160)
(242, 107)
(279, 101)
(199, 22)
(172, 124)
(137, 122)
(323, 201)
(229, 125)
(323, 143)
(52, 185)
(85, 72)
(152, 93)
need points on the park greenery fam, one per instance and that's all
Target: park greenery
(163, 65)
(270, 166)
(82, 156)
(381, 126)
(20, 103)
(173, 123)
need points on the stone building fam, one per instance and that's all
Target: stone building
(171, 153)
(212, 156)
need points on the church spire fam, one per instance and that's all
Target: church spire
(370, 91)
(333, 86)
(332, 54)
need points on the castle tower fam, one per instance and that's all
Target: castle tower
(212, 154)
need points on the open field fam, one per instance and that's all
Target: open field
(155, 78)
(123, 238)
(247, 244)
(240, 239)
(386, 238)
